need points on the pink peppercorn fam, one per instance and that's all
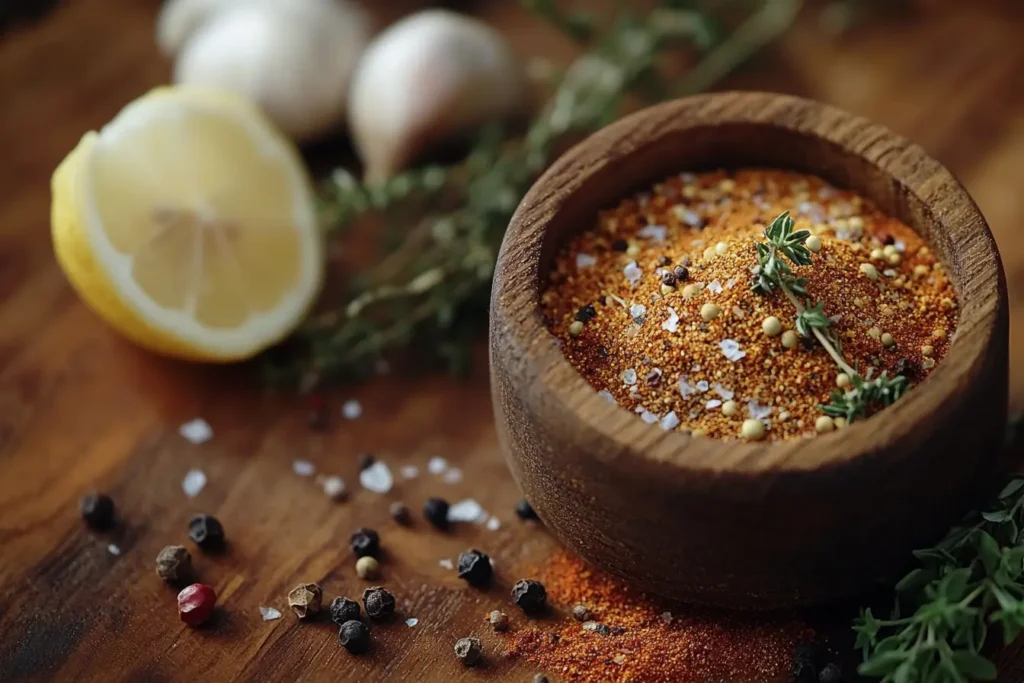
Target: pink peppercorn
(195, 603)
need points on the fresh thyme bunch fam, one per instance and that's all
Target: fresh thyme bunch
(972, 580)
(429, 290)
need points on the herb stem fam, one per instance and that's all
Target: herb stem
(821, 336)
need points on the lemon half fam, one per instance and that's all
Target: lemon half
(188, 223)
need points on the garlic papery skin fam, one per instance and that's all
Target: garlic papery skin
(428, 78)
(179, 19)
(294, 59)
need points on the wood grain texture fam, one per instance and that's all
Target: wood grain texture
(80, 409)
(748, 524)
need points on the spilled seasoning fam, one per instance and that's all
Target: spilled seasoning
(632, 637)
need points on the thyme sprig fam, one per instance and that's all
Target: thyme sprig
(432, 286)
(969, 582)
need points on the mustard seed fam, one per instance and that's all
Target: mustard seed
(869, 270)
(721, 249)
(789, 339)
(730, 408)
(367, 567)
(843, 380)
(752, 429)
(691, 290)
(824, 424)
(927, 350)
(772, 326)
(709, 312)
(813, 243)
(888, 340)
(575, 328)
(877, 254)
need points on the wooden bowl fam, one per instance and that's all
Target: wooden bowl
(737, 524)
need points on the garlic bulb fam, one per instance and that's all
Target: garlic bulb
(428, 78)
(179, 19)
(294, 59)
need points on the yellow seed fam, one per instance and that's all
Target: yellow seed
(856, 223)
(888, 340)
(869, 270)
(367, 567)
(920, 270)
(633, 250)
(730, 408)
(691, 290)
(772, 326)
(709, 312)
(939, 333)
(789, 339)
(666, 290)
(721, 248)
(576, 328)
(893, 259)
(709, 253)
(889, 250)
(813, 243)
(752, 429)
(946, 304)
(877, 254)
(824, 424)
(842, 380)
(784, 415)
(927, 350)
(840, 422)
(727, 185)
(874, 333)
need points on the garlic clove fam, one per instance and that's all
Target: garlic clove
(179, 19)
(294, 59)
(426, 79)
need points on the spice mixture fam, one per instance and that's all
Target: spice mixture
(655, 309)
(629, 637)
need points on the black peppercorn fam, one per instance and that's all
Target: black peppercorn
(342, 610)
(586, 313)
(529, 595)
(97, 510)
(206, 532)
(525, 511)
(540, 678)
(436, 512)
(379, 603)
(831, 674)
(475, 567)
(365, 460)
(364, 542)
(174, 563)
(620, 245)
(354, 636)
(468, 650)
(681, 273)
(668, 278)
(888, 239)
(805, 663)
(400, 513)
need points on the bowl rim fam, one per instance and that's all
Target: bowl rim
(981, 288)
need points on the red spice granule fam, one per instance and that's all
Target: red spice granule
(661, 641)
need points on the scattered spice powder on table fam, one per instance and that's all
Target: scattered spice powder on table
(644, 640)
(655, 308)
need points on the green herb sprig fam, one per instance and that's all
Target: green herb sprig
(431, 288)
(968, 583)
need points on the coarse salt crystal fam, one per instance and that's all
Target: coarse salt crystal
(731, 349)
(629, 377)
(900, 246)
(584, 261)
(197, 431)
(703, 386)
(446, 563)
(352, 409)
(607, 395)
(113, 549)
(685, 388)
(410, 471)
(672, 324)
(638, 410)
(452, 476)
(303, 468)
(654, 232)
(690, 217)
(712, 404)
(411, 621)
(269, 613)
(193, 482)
(730, 283)
(377, 478)
(666, 617)
(723, 392)
(715, 287)
(466, 511)
(648, 417)
(738, 312)
(437, 465)
(632, 272)
(636, 312)
(757, 411)
(670, 421)
(494, 524)
(334, 487)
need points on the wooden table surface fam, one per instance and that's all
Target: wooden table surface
(80, 409)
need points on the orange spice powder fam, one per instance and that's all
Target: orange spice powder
(648, 641)
(701, 353)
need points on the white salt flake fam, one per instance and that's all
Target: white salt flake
(494, 524)
(411, 621)
(758, 411)
(672, 324)
(113, 549)
(352, 409)
(654, 232)
(835, 318)
(715, 287)
(730, 283)
(688, 216)
(637, 312)
(197, 431)
(648, 417)
(377, 478)
(900, 246)
(629, 377)
(670, 421)
(452, 476)
(826, 192)
(638, 410)
(632, 272)
(446, 563)
(466, 511)
(410, 471)
(584, 261)
(712, 404)
(303, 468)
(723, 392)
(738, 312)
(437, 465)
(607, 395)
(334, 487)
(685, 388)
(666, 617)
(703, 386)
(193, 483)
(731, 349)
(269, 613)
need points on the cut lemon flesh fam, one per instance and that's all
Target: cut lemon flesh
(188, 223)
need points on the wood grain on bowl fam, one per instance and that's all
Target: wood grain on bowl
(734, 523)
